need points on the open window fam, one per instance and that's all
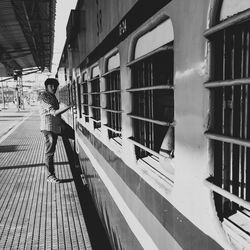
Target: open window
(113, 97)
(95, 96)
(152, 92)
(229, 131)
(64, 95)
(84, 97)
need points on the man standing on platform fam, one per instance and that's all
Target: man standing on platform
(51, 124)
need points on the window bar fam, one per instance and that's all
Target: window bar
(244, 116)
(227, 194)
(113, 121)
(116, 115)
(237, 183)
(119, 117)
(242, 123)
(116, 121)
(118, 101)
(111, 96)
(157, 87)
(232, 180)
(161, 123)
(247, 152)
(151, 113)
(223, 117)
(146, 135)
(112, 129)
(234, 82)
(236, 147)
(114, 78)
(95, 120)
(241, 107)
(144, 148)
(151, 66)
(151, 78)
(119, 121)
(247, 156)
(111, 82)
(113, 111)
(161, 49)
(94, 78)
(228, 139)
(95, 107)
(141, 83)
(110, 72)
(111, 91)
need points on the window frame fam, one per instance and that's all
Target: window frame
(84, 93)
(95, 96)
(225, 196)
(133, 90)
(112, 93)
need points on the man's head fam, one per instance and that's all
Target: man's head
(51, 85)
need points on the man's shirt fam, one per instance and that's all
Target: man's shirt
(48, 104)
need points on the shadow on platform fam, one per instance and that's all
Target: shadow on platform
(10, 148)
(96, 231)
(29, 166)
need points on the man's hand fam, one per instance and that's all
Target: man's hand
(61, 111)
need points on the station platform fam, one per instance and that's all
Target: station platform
(34, 213)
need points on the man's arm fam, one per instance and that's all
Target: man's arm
(62, 110)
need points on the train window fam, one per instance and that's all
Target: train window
(78, 91)
(229, 131)
(64, 95)
(113, 97)
(84, 97)
(153, 92)
(74, 94)
(95, 96)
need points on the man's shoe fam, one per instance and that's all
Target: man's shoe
(52, 178)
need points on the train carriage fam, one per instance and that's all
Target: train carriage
(162, 119)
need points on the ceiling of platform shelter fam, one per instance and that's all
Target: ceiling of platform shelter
(26, 35)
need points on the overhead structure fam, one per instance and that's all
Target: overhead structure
(26, 35)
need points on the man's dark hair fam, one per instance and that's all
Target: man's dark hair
(51, 81)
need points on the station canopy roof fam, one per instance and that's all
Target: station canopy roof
(26, 35)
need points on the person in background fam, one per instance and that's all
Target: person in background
(51, 124)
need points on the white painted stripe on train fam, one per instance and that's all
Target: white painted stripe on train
(14, 128)
(143, 237)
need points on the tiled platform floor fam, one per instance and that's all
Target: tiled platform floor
(35, 214)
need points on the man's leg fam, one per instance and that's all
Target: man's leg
(50, 148)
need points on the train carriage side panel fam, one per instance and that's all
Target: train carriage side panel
(129, 193)
(101, 17)
(153, 220)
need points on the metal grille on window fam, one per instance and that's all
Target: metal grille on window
(153, 100)
(230, 103)
(63, 95)
(96, 105)
(113, 97)
(84, 100)
(74, 94)
(70, 94)
(79, 97)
